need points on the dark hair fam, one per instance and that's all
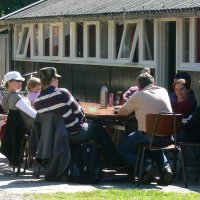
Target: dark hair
(46, 74)
(183, 81)
(183, 75)
(145, 79)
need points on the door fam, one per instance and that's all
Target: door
(170, 53)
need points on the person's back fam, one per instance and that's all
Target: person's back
(149, 99)
(152, 99)
(62, 103)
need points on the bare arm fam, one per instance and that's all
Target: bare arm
(3, 117)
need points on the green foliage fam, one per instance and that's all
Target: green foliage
(8, 6)
(125, 194)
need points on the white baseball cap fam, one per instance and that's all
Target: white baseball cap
(13, 75)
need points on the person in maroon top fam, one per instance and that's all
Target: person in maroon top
(183, 105)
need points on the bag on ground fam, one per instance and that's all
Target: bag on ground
(85, 166)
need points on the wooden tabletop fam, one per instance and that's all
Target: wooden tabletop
(93, 110)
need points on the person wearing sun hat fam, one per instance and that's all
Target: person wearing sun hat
(15, 101)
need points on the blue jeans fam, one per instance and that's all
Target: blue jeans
(129, 149)
(97, 133)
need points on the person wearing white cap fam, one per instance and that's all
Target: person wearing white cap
(15, 101)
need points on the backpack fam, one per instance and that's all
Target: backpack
(85, 166)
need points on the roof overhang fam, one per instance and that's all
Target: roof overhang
(128, 16)
(3, 28)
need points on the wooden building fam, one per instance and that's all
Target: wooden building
(94, 43)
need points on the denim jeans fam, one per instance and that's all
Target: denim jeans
(97, 133)
(129, 148)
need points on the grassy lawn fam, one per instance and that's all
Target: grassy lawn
(119, 194)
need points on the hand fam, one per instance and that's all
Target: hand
(116, 108)
(3, 117)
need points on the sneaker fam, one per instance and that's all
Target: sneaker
(149, 176)
(166, 176)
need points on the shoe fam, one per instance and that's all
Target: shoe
(130, 172)
(166, 176)
(149, 176)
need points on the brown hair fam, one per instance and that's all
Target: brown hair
(183, 81)
(32, 82)
(144, 79)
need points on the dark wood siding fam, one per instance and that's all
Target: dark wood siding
(85, 81)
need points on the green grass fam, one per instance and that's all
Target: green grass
(119, 194)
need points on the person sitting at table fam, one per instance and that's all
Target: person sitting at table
(131, 124)
(13, 100)
(187, 78)
(183, 104)
(61, 102)
(33, 87)
(20, 117)
(149, 99)
(135, 88)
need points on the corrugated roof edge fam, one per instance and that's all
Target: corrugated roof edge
(109, 13)
(22, 9)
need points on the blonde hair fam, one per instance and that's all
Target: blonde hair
(32, 82)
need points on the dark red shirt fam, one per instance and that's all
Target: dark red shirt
(186, 108)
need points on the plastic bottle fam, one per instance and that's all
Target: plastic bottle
(104, 97)
(110, 99)
(119, 98)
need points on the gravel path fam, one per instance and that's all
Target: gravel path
(22, 187)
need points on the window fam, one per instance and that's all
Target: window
(91, 40)
(79, 38)
(128, 41)
(186, 29)
(23, 40)
(149, 40)
(198, 40)
(67, 40)
(46, 40)
(129, 46)
(19, 34)
(104, 40)
(119, 32)
(55, 40)
(36, 40)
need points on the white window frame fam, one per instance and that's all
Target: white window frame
(16, 39)
(191, 65)
(51, 57)
(86, 40)
(74, 41)
(23, 55)
(136, 37)
(142, 61)
(40, 43)
(145, 41)
(51, 40)
(109, 42)
(72, 32)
